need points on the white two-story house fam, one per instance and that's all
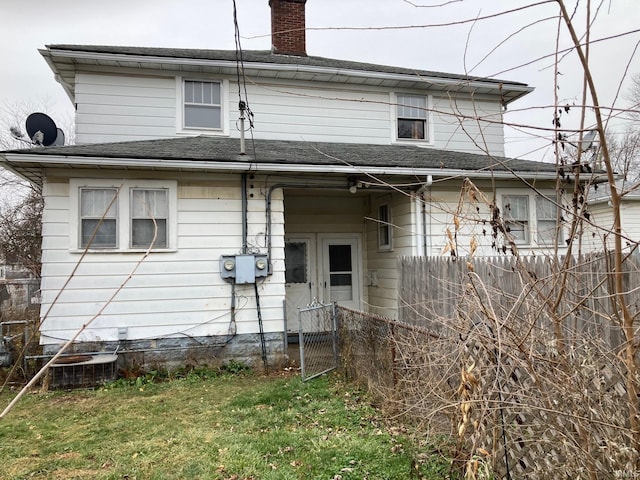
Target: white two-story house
(211, 193)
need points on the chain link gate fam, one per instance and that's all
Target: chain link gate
(318, 335)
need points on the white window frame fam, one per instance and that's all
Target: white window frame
(99, 215)
(123, 221)
(532, 230)
(428, 128)
(180, 104)
(556, 231)
(385, 225)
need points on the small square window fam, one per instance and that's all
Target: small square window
(98, 217)
(202, 105)
(384, 227)
(149, 212)
(411, 111)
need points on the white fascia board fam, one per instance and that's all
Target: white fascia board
(439, 81)
(242, 166)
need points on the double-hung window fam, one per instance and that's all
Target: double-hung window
(411, 113)
(549, 230)
(98, 217)
(202, 105)
(516, 215)
(149, 213)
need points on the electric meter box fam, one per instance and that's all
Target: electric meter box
(244, 268)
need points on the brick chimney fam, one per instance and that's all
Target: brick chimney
(288, 27)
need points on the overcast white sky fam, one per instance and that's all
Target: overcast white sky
(338, 29)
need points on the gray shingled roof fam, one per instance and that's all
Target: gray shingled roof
(216, 149)
(265, 56)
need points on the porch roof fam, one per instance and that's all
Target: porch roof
(208, 153)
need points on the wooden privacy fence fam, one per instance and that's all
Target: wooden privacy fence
(477, 355)
(430, 289)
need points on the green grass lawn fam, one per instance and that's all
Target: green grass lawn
(230, 427)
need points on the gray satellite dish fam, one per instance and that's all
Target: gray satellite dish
(588, 139)
(59, 141)
(41, 129)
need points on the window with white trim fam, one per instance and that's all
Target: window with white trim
(98, 217)
(411, 117)
(549, 229)
(149, 213)
(516, 217)
(202, 102)
(130, 215)
(384, 227)
(532, 219)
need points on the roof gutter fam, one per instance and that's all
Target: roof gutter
(503, 87)
(246, 166)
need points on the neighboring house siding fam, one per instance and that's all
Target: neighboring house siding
(172, 294)
(382, 273)
(598, 236)
(113, 108)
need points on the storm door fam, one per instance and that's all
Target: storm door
(300, 277)
(341, 271)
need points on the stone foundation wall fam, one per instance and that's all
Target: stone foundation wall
(171, 353)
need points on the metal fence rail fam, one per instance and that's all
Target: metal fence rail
(318, 340)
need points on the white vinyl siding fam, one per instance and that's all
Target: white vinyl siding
(173, 293)
(111, 108)
(381, 263)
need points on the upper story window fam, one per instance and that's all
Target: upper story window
(411, 115)
(131, 216)
(532, 226)
(202, 105)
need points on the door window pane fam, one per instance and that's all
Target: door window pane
(340, 258)
(295, 262)
(340, 273)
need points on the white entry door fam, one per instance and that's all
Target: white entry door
(301, 286)
(340, 273)
(324, 268)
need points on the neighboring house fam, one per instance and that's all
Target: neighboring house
(598, 234)
(348, 166)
